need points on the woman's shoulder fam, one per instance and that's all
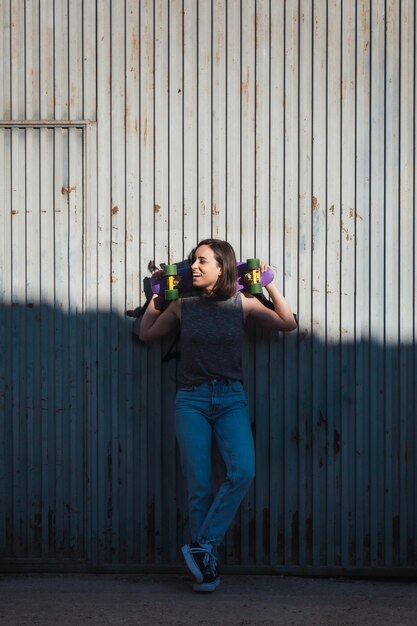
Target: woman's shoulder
(249, 302)
(246, 298)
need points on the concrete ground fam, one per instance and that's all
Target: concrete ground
(151, 600)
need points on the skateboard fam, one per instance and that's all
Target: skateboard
(177, 279)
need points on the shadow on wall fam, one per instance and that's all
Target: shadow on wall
(89, 468)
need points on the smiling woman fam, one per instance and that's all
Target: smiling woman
(205, 270)
(214, 268)
(210, 399)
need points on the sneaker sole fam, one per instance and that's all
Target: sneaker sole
(191, 564)
(207, 587)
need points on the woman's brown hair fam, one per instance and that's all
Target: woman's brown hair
(224, 254)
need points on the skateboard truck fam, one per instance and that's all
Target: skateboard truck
(177, 279)
(252, 276)
(173, 281)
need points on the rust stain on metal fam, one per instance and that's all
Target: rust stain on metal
(215, 210)
(68, 189)
(74, 94)
(295, 536)
(145, 131)
(150, 530)
(51, 527)
(134, 41)
(295, 435)
(245, 89)
(346, 232)
(321, 421)
(364, 18)
(266, 525)
(315, 203)
(337, 446)
(115, 210)
(219, 47)
(157, 208)
(331, 209)
(15, 212)
(353, 214)
(147, 45)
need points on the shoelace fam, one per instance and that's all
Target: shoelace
(207, 554)
(212, 564)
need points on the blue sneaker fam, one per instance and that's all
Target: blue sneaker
(197, 556)
(211, 578)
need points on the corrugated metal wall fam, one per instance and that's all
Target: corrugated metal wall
(129, 130)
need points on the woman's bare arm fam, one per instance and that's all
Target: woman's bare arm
(282, 318)
(155, 324)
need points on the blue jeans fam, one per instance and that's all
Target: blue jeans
(216, 408)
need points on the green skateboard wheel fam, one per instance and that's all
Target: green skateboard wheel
(254, 288)
(170, 270)
(171, 294)
(253, 264)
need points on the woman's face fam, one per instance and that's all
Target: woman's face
(205, 269)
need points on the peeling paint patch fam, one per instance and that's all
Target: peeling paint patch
(115, 210)
(68, 189)
(157, 208)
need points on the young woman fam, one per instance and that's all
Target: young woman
(210, 398)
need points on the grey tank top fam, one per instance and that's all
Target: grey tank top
(212, 331)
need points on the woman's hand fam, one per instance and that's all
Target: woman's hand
(281, 318)
(159, 320)
(157, 273)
